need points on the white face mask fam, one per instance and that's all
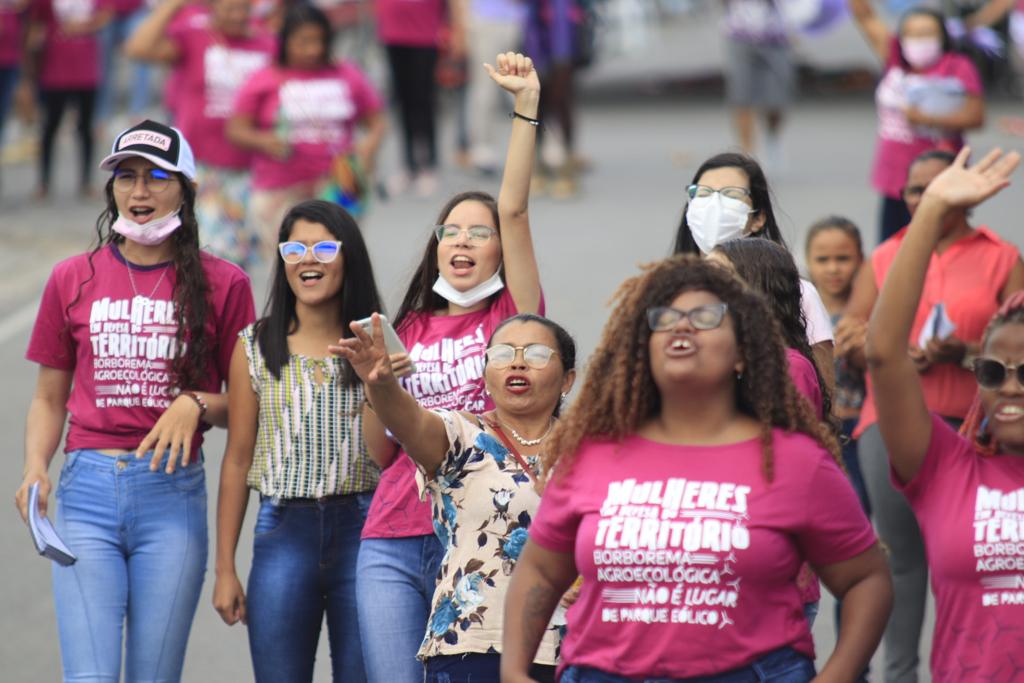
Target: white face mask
(149, 234)
(921, 53)
(471, 297)
(716, 219)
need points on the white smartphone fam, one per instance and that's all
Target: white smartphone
(391, 341)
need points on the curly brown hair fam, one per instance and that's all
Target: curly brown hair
(619, 393)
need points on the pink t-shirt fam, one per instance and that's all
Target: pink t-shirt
(119, 345)
(412, 23)
(196, 14)
(805, 377)
(689, 557)
(315, 111)
(971, 512)
(967, 279)
(125, 7)
(10, 36)
(69, 62)
(449, 354)
(938, 90)
(212, 67)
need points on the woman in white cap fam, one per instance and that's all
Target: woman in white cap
(134, 340)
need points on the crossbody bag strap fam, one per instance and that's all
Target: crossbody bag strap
(493, 424)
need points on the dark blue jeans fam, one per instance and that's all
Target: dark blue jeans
(477, 668)
(784, 665)
(304, 564)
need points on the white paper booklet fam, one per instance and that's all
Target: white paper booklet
(48, 543)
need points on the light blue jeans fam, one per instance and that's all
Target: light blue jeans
(394, 588)
(141, 543)
(112, 38)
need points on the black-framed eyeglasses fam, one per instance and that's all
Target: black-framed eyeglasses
(324, 252)
(991, 373)
(706, 317)
(732, 192)
(537, 356)
(477, 234)
(156, 180)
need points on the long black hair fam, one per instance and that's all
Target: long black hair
(769, 269)
(948, 44)
(191, 288)
(563, 340)
(760, 196)
(420, 296)
(359, 297)
(297, 16)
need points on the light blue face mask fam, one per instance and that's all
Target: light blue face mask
(472, 296)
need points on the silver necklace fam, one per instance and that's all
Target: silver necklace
(531, 442)
(135, 289)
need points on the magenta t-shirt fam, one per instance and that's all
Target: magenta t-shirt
(971, 512)
(411, 23)
(10, 36)
(212, 67)
(315, 111)
(119, 346)
(805, 378)
(689, 557)
(449, 354)
(940, 89)
(69, 62)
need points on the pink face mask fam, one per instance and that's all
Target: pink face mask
(921, 53)
(149, 234)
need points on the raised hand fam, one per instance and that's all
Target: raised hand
(515, 73)
(366, 354)
(959, 186)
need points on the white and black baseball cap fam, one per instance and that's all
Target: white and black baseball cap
(163, 145)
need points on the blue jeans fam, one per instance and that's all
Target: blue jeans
(851, 460)
(112, 37)
(8, 83)
(477, 667)
(396, 582)
(303, 564)
(784, 665)
(141, 543)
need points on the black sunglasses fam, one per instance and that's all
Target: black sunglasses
(991, 373)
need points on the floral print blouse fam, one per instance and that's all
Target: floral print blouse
(483, 503)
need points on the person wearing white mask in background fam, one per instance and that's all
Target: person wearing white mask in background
(134, 341)
(478, 269)
(928, 96)
(729, 198)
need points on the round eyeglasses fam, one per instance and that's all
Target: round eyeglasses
(478, 234)
(991, 373)
(536, 356)
(156, 180)
(740, 193)
(665, 318)
(324, 252)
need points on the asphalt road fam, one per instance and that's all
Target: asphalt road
(643, 154)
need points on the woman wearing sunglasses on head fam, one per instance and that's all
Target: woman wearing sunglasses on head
(964, 491)
(480, 469)
(478, 269)
(134, 340)
(296, 436)
(687, 487)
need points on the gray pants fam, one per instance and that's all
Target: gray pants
(897, 528)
